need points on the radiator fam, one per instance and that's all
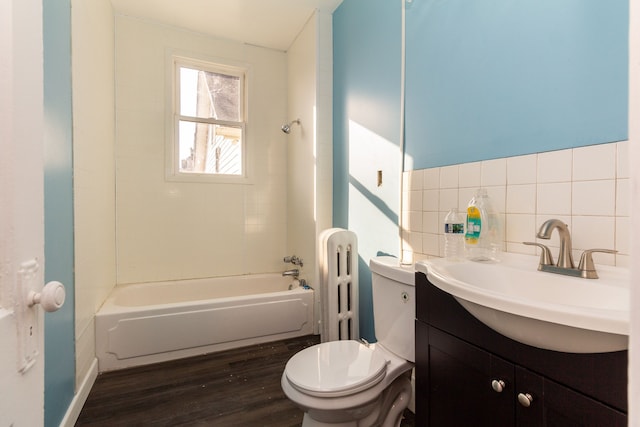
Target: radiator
(339, 285)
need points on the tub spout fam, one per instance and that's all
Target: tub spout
(293, 272)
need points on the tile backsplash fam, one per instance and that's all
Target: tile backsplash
(587, 188)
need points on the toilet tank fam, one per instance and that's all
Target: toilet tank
(394, 305)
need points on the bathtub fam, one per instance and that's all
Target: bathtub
(153, 322)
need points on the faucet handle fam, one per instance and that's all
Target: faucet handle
(545, 256)
(293, 260)
(586, 264)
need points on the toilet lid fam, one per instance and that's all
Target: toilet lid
(335, 368)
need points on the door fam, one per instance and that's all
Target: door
(21, 212)
(467, 385)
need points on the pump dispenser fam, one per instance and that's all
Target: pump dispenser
(483, 237)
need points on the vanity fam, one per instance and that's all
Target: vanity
(467, 374)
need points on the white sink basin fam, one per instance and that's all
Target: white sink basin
(545, 310)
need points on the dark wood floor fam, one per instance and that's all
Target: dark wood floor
(239, 387)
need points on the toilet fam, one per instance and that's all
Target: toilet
(351, 383)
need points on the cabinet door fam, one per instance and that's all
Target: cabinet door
(460, 385)
(553, 405)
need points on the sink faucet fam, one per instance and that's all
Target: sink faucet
(586, 269)
(565, 257)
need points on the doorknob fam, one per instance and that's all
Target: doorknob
(51, 298)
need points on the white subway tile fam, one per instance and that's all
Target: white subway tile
(520, 228)
(623, 197)
(623, 261)
(430, 200)
(430, 222)
(601, 259)
(412, 221)
(498, 198)
(494, 172)
(519, 248)
(590, 232)
(430, 244)
(623, 160)
(594, 162)
(554, 166)
(416, 178)
(521, 199)
(469, 175)
(431, 179)
(449, 177)
(576, 186)
(554, 199)
(623, 235)
(415, 241)
(448, 199)
(521, 169)
(594, 198)
(415, 200)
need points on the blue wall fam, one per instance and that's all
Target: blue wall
(497, 78)
(484, 79)
(367, 88)
(59, 344)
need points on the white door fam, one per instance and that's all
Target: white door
(21, 212)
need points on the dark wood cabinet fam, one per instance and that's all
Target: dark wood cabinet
(467, 374)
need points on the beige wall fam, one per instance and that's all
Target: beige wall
(178, 230)
(309, 184)
(94, 168)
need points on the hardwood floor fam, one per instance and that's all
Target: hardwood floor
(239, 387)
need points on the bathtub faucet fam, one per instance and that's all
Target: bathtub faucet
(293, 272)
(293, 260)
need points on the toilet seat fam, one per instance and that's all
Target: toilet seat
(335, 368)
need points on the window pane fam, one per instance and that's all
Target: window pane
(210, 95)
(210, 149)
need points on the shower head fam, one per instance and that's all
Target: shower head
(286, 128)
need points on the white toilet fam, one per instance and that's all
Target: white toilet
(349, 383)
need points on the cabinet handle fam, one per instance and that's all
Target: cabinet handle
(525, 399)
(497, 385)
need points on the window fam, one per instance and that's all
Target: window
(208, 120)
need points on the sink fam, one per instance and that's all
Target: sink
(540, 309)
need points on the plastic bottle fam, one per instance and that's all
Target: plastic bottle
(483, 238)
(454, 235)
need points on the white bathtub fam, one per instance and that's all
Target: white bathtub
(152, 322)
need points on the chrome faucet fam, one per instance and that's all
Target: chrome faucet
(565, 265)
(293, 272)
(565, 257)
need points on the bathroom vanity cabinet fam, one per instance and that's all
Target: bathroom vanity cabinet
(467, 374)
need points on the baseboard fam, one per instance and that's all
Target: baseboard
(73, 412)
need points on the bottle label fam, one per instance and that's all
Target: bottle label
(453, 228)
(474, 225)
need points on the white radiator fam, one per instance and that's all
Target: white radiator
(339, 285)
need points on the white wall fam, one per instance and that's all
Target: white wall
(179, 230)
(588, 188)
(94, 168)
(310, 148)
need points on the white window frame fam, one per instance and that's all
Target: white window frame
(173, 117)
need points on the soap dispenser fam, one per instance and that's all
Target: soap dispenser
(483, 237)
